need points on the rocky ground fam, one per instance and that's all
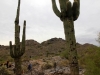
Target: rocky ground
(47, 66)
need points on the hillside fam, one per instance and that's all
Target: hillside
(52, 47)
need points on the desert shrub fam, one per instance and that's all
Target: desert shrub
(93, 62)
(92, 68)
(64, 54)
(4, 71)
(47, 66)
(63, 63)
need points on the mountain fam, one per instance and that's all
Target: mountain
(52, 47)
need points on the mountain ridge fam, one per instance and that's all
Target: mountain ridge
(52, 47)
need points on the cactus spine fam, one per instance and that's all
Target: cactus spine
(18, 49)
(69, 14)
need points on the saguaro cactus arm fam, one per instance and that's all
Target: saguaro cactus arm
(18, 51)
(63, 5)
(69, 10)
(78, 3)
(55, 9)
(76, 9)
(11, 50)
(23, 38)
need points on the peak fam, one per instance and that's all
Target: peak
(52, 40)
(31, 42)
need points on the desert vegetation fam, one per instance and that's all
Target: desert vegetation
(88, 57)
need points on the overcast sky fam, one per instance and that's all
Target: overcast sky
(43, 24)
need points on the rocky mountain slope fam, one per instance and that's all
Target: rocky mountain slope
(52, 47)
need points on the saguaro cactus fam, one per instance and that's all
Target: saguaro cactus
(68, 14)
(19, 48)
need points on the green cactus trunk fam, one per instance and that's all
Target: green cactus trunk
(19, 48)
(71, 46)
(18, 68)
(68, 15)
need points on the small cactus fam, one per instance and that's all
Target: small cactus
(19, 49)
(68, 15)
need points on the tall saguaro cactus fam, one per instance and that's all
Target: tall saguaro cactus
(19, 49)
(68, 15)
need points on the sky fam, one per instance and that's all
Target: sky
(42, 24)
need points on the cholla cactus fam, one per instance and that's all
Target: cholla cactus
(19, 49)
(68, 15)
